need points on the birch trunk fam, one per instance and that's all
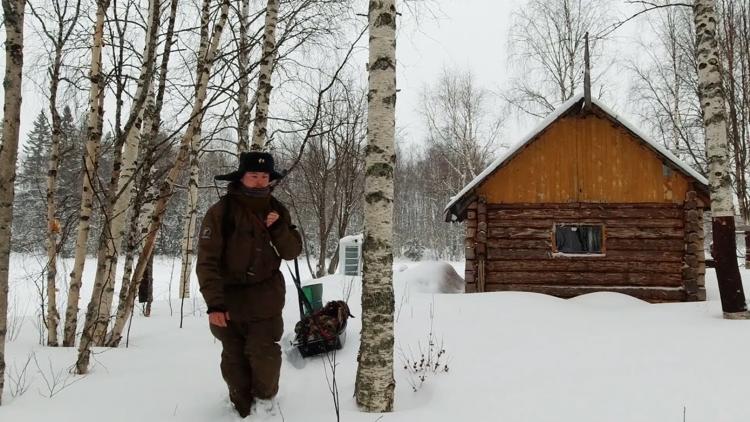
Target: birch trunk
(139, 224)
(53, 227)
(713, 102)
(264, 76)
(125, 189)
(243, 119)
(96, 94)
(100, 305)
(147, 187)
(13, 11)
(205, 63)
(375, 383)
(190, 219)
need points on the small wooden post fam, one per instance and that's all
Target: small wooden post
(694, 259)
(481, 243)
(587, 75)
(470, 249)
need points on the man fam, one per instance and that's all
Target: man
(243, 238)
(146, 287)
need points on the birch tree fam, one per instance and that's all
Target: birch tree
(264, 77)
(60, 38)
(460, 126)
(146, 195)
(374, 381)
(665, 86)
(206, 58)
(325, 190)
(94, 135)
(188, 237)
(243, 59)
(63, 22)
(547, 41)
(119, 197)
(713, 103)
(13, 16)
(121, 189)
(734, 46)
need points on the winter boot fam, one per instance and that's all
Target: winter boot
(264, 408)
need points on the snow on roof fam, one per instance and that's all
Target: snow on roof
(551, 119)
(355, 238)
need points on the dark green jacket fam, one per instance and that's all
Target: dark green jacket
(240, 273)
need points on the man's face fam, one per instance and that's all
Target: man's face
(255, 179)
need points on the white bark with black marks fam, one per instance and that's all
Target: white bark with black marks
(374, 389)
(13, 11)
(713, 105)
(94, 131)
(146, 195)
(243, 58)
(206, 58)
(264, 76)
(100, 305)
(126, 180)
(191, 217)
(713, 102)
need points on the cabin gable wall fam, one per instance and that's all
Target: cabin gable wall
(585, 159)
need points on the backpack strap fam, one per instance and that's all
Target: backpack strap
(227, 224)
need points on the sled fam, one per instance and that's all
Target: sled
(314, 345)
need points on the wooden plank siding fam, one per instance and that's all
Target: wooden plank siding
(644, 254)
(585, 159)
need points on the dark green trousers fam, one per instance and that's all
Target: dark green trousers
(250, 359)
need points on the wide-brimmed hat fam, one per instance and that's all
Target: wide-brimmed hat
(252, 161)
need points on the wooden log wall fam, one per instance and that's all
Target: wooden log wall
(470, 248)
(694, 261)
(476, 246)
(645, 249)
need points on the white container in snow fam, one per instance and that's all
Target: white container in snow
(350, 255)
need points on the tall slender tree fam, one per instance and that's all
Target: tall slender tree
(145, 194)
(57, 22)
(264, 76)
(713, 103)
(547, 40)
(93, 141)
(13, 16)
(375, 383)
(209, 46)
(121, 192)
(243, 62)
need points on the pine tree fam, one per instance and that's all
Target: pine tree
(69, 178)
(29, 229)
(35, 154)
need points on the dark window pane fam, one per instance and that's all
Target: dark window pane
(578, 239)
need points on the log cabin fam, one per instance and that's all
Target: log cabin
(585, 203)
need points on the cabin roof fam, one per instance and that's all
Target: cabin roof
(459, 202)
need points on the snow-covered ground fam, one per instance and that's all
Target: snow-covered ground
(511, 357)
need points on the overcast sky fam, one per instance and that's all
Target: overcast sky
(461, 34)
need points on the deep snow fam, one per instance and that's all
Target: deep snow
(511, 356)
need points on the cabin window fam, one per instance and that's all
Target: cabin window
(579, 239)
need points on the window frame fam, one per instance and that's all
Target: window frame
(557, 253)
